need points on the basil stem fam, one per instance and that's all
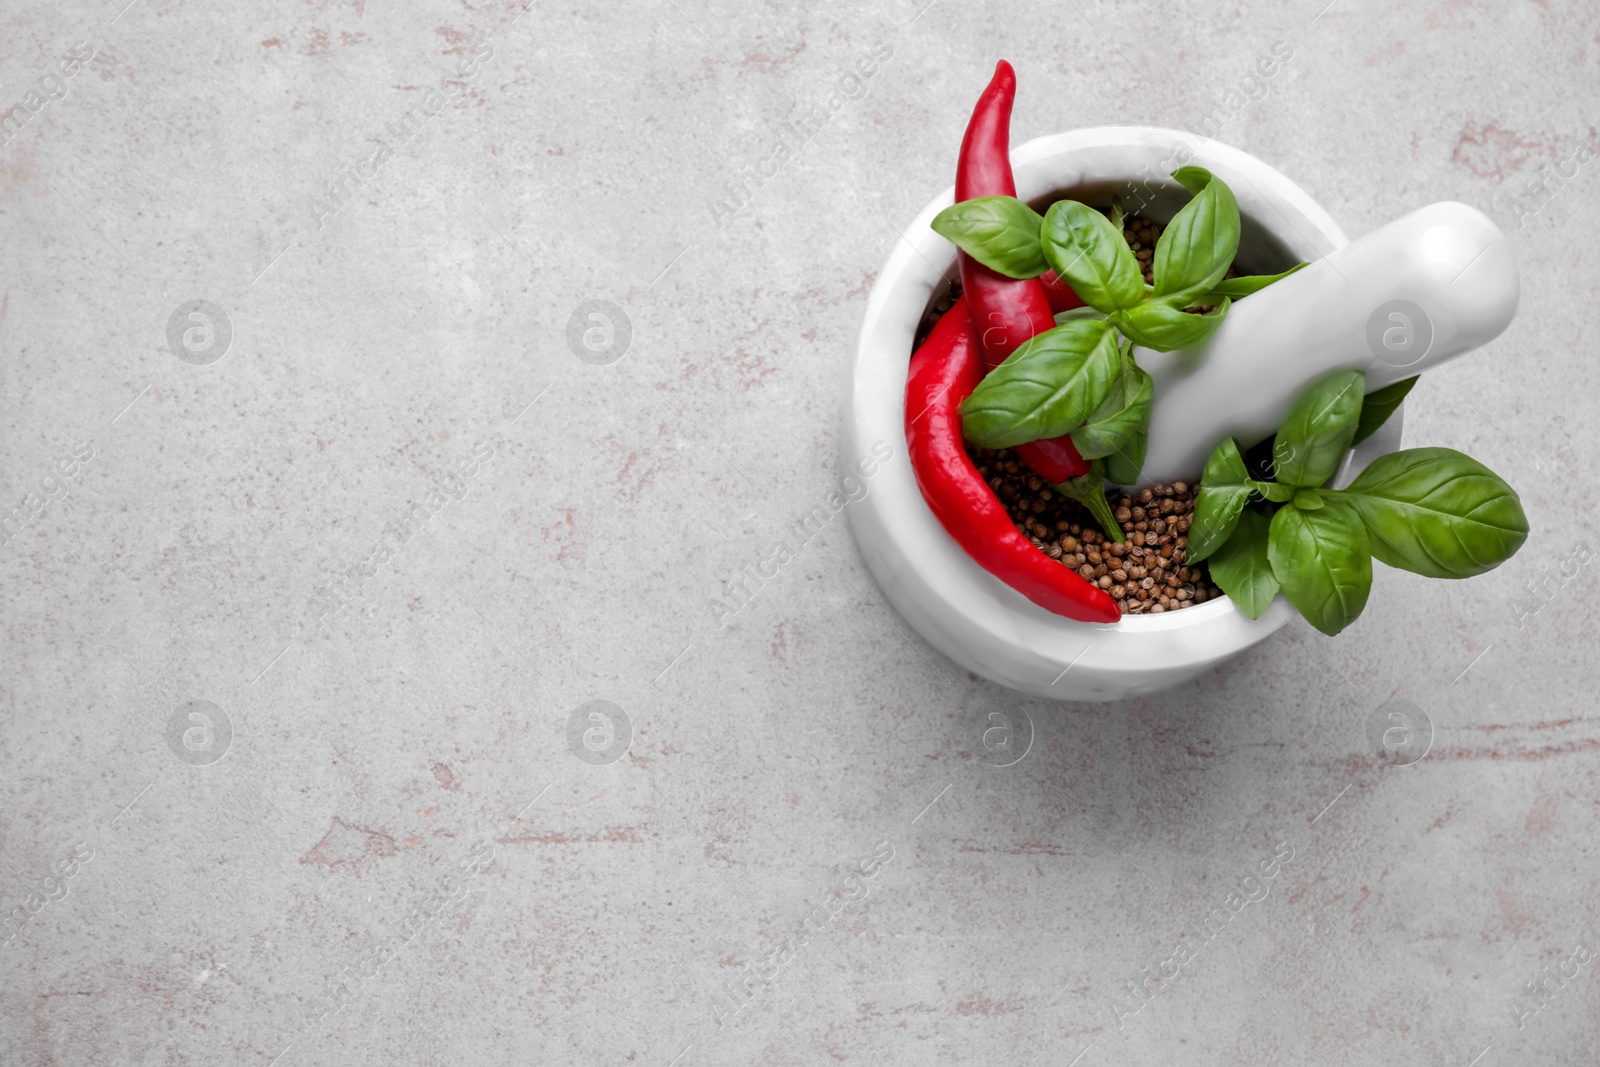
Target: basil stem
(1090, 491)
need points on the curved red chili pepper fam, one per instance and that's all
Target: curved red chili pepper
(1006, 312)
(944, 371)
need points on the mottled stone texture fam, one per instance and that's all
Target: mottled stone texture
(399, 859)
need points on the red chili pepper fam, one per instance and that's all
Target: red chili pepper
(1062, 296)
(944, 371)
(1006, 312)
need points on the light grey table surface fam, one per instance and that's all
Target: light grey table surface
(268, 885)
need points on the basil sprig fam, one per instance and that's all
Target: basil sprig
(1432, 511)
(1087, 383)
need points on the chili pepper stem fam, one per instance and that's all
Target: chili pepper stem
(1090, 491)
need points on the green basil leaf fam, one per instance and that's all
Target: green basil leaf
(1194, 179)
(1124, 413)
(1046, 388)
(1074, 314)
(1082, 246)
(1164, 328)
(1240, 567)
(1242, 287)
(1378, 405)
(1199, 244)
(1307, 499)
(1323, 560)
(1225, 466)
(1437, 512)
(1224, 491)
(1001, 232)
(1125, 464)
(1319, 429)
(1279, 494)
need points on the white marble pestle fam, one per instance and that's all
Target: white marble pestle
(1422, 290)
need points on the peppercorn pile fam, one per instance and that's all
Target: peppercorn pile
(1142, 234)
(1146, 574)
